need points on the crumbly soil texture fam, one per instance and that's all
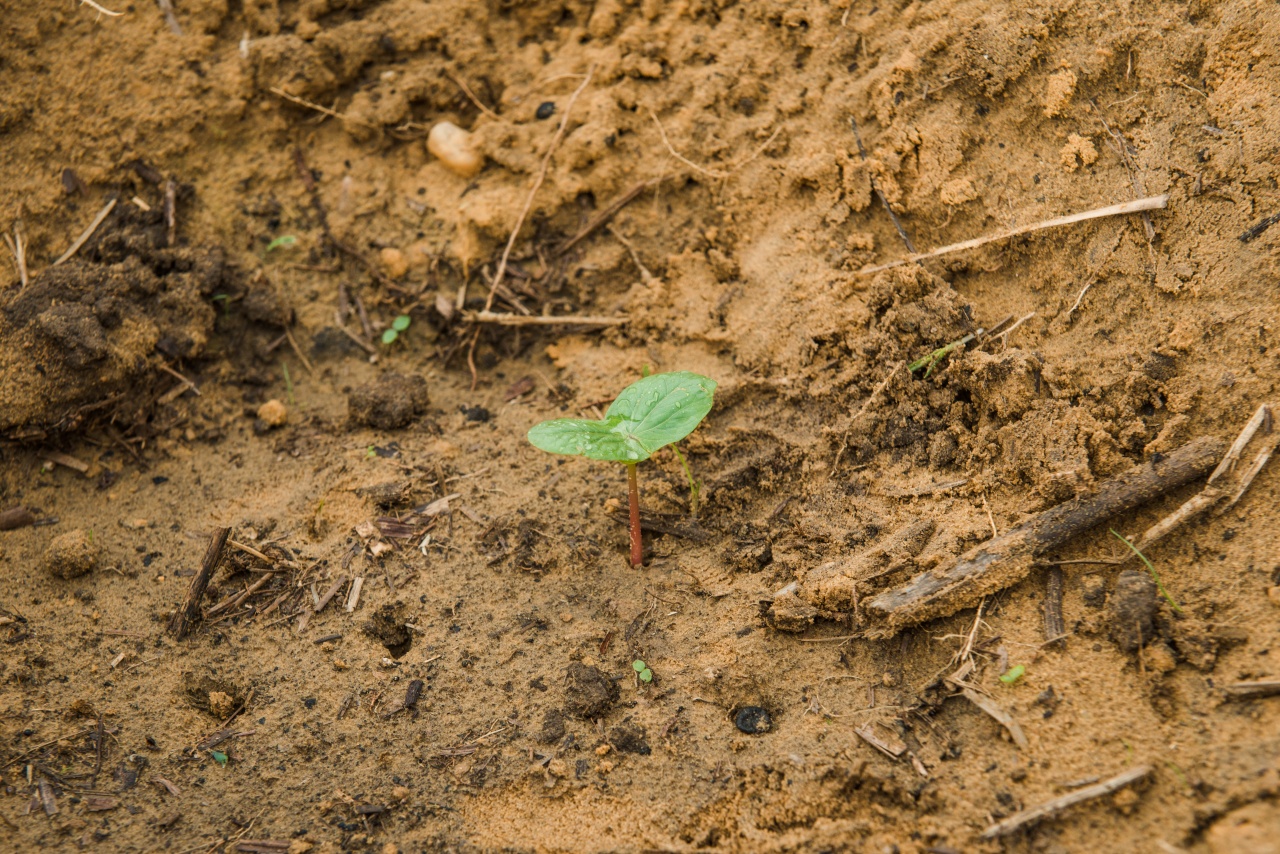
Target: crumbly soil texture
(423, 633)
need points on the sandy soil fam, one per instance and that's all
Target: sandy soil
(133, 379)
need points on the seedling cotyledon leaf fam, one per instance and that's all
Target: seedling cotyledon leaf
(646, 416)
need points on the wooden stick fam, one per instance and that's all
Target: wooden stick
(1005, 560)
(466, 90)
(1147, 204)
(602, 218)
(502, 319)
(1057, 805)
(88, 232)
(533, 191)
(1253, 690)
(191, 607)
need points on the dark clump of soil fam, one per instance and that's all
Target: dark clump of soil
(629, 738)
(1131, 609)
(589, 693)
(387, 627)
(389, 402)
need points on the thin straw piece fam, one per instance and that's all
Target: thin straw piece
(1148, 204)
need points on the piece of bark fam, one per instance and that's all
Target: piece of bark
(1005, 560)
(190, 609)
(1054, 625)
(16, 517)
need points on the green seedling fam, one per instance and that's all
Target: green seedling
(1155, 576)
(642, 671)
(219, 757)
(225, 299)
(288, 384)
(400, 324)
(1013, 674)
(283, 240)
(931, 361)
(648, 415)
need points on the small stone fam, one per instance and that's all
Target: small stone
(299, 846)
(400, 793)
(72, 554)
(273, 413)
(394, 264)
(455, 148)
(1273, 594)
(753, 720)
(557, 768)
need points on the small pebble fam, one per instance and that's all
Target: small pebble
(753, 720)
(454, 147)
(1274, 595)
(273, 413)
(546, 110)
(394, 262)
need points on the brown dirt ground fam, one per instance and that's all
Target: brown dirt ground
(522, 612)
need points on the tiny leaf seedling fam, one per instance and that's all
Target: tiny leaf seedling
(648, 415)
(400, 324)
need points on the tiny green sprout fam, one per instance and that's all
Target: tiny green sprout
(370, 453)
(1151, 569)
(282, 240)
(931, 361)
(225, 299)
(219, 757)
(649, 414)
(288, 384)
(1013, 674)
(400, 324)
(642, 671)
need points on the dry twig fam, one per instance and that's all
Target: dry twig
(1057, 805)
(88, 232)
(533, 190)
(1148, 204)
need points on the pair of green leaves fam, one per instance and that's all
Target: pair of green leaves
(649, 414)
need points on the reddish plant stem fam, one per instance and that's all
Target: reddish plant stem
(633, 492)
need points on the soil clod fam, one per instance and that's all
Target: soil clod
(387, 627)
(1131, 609)
(390, 402)
(589, 693)
(72, 554)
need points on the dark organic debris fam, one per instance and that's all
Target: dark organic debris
(753, 720)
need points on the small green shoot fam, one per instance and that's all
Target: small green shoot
(400, 324)
(288, 384)
(931, 361)
(649, 414)
(225, 299)
(370, 453)
(1013, 674)
(1151, 569)
(642, 671)
(282, 240)
(694, 485)
(219, 757)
